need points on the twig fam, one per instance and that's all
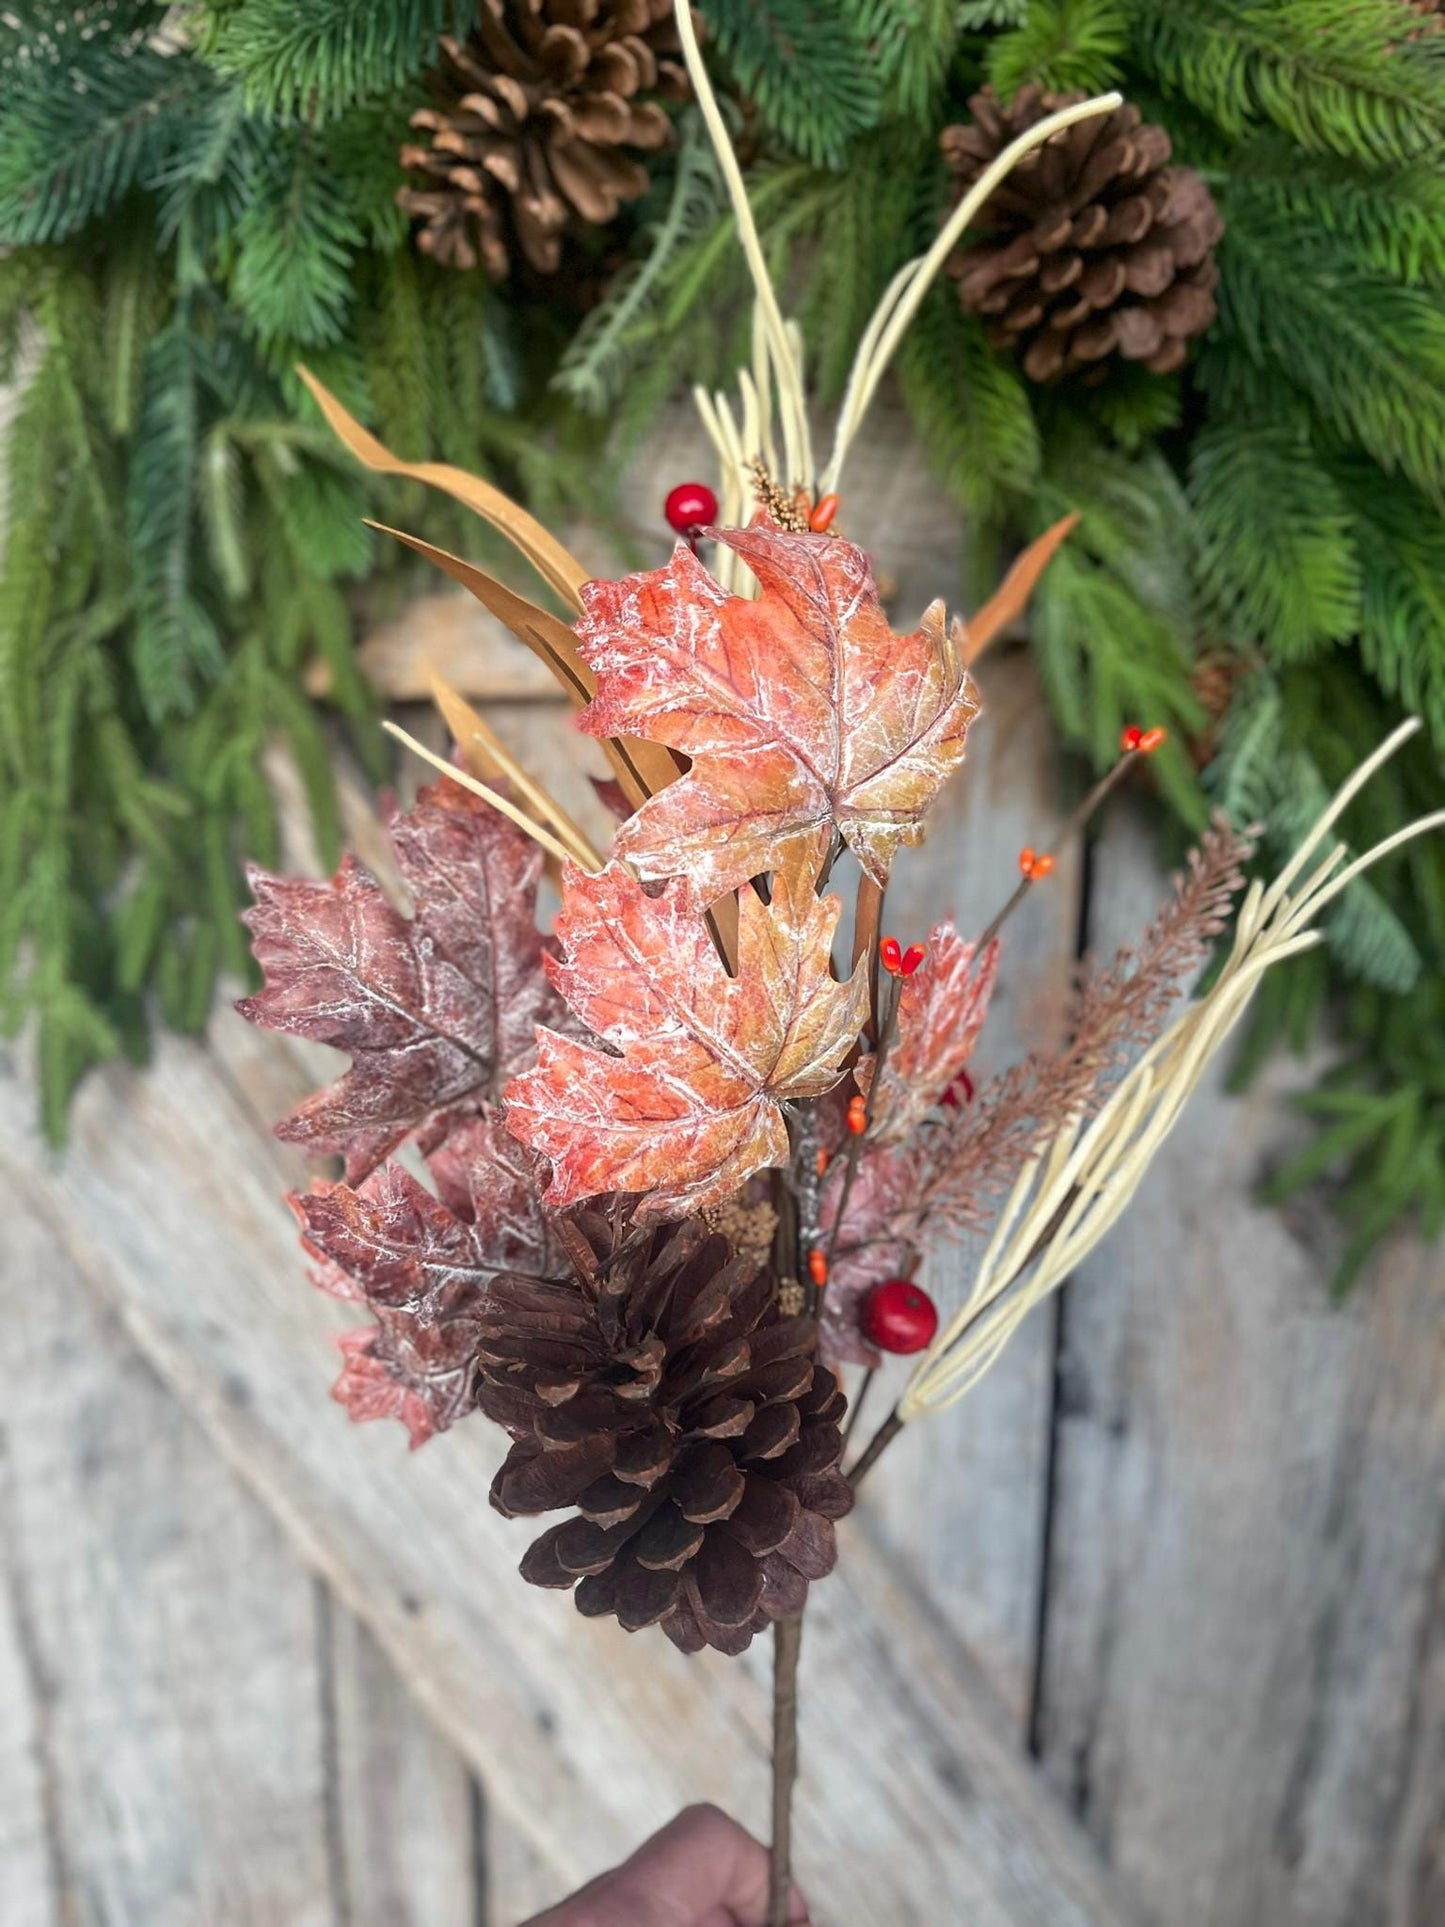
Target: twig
(500, 803)
(876, 1447)
(1104, 788)
(886, 1031)
(857, 1411)
(787, 1643)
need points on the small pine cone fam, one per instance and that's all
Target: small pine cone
(1094, 248)
(1215, 677)
(533, 114)
(660, 1393)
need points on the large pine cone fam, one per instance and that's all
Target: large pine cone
(664, 1397)
(532, 113)
(1092, 248)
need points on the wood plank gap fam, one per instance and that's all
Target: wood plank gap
(1058, 1339)
(337, 1872)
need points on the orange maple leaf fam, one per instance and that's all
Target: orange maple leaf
(804, 712)
(691, 1105)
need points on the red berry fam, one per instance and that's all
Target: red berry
(690, 506)
(1131, 739)
(959, 1092)
(912, 957)
(818, 1266)
(820, 518)
(899, 1316)
(890, 955)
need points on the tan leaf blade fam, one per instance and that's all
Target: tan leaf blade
(561, 571)
(1008, 601)
(692, 1104)
(642, 768)
(803, 712)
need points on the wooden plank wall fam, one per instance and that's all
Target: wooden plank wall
(1189, 1533)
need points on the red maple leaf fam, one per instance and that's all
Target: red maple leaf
(690, 1103)
(803, 712)
(941, 1009)
(426, 1272)
(436, 1010)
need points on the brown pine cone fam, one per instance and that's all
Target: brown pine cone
(533, 112)
(660, 1393)
(1092, 248)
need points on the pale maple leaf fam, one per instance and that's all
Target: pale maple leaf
(436, 1010)
(690, 1104)
(803, 712)
(426, 1272)
(941, 1009)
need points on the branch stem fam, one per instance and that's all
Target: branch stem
(876, 1447)
(1103, 789)
(787, 1643)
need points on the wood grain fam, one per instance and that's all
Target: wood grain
(1244, 1686)
(165, 1747)
(405, 1811)
(916, 1804)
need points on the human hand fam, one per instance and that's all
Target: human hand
(701, 1870)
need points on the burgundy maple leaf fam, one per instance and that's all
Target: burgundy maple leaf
(436, 1010)
(426, 1272)
(803, 713)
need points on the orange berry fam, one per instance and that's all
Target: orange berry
(822, 1162)
(857, 1115)
(1043, 867)
(820, 519)
(818, 1266)
(1151, 739)
(1026, 861)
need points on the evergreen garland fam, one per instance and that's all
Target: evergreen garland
(191, 209)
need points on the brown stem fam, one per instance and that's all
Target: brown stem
(876, 1447)
(857, 1412)
(1105, 786)
(893, 1424)
(787, 1643)
(887, 1026)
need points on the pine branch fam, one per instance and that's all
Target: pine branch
(1061, 44)
(970, 408)
(1337, 76)
(84, 123)
(322, 58)
(1277, 556)
(603, 351)
(803, 67)
(1369, 354)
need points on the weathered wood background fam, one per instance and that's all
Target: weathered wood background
(1150, 1630)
